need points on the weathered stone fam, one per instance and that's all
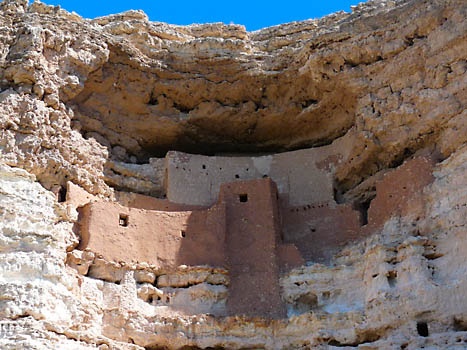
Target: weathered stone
(149, 293)
(95, 101)
(80, 260)
(143, 276)
(105, 270)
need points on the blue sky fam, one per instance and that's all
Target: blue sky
(253, 14)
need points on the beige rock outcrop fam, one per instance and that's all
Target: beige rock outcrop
(389, 78)
(98, 103)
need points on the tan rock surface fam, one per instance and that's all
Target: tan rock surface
(97, 101)
(390, 78)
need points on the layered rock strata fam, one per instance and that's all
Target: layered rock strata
(100, 102)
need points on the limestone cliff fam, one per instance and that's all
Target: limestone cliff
(100, 102)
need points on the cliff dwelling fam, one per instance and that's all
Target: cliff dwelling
(187, 187)
(251, 217)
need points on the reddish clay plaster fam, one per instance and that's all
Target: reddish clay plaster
(241, 232)
(78, 197)
(319, 231)
(399, 192)
(164, 239)
(244, 231)
(140, 201)
(252, 238)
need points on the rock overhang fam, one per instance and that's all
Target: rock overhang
(404, 59)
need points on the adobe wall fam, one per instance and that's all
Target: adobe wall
(241, 232)
(289, 257)
(164, 239)
(319, 231)
(246, 231)
(139, 201)
(300, 175)
(252, 238)
(78, 197)
(399, 192)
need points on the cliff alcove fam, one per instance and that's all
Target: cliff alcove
(201, 187)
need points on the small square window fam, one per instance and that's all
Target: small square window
(243, 198)
(123, 220)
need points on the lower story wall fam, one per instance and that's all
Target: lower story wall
(319, 231)
(164, 239)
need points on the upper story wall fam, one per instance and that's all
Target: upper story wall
(302, 177)
(252, 223)
(399, 192)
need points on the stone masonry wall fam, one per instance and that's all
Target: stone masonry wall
(252, 238)
(241, 231)
(299, 175)
(319, 231)
(165, 239)
(99, 102)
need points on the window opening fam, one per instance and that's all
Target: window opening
(422, 329)
(243, 198)
(123, 220)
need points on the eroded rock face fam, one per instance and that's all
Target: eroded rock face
(375, 293)
(99, 103)
(390, 78)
